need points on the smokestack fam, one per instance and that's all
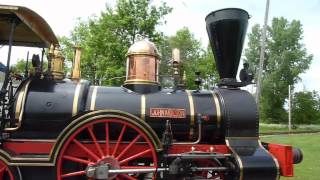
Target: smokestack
(226, 30)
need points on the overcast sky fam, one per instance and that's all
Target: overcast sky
(63, 14)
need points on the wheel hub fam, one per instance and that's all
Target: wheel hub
(100, 170)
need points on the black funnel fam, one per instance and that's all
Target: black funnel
(226, 29)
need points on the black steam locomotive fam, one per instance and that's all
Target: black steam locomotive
(58, 128)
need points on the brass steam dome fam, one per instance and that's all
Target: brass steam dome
(143, 47)
(142, 66)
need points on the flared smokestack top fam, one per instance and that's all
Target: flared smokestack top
(227, 29)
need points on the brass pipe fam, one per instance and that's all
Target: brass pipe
(76, 71)
(20, 108)
(195, 142)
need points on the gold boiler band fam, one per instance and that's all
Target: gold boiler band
(192, 118)
(218, 108)
(93, 98)
(76, 99)
(143, 107)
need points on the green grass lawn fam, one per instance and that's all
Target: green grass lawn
(309, 169)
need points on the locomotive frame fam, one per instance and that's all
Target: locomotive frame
(137, 131)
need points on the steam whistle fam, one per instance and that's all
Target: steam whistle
(179, 83)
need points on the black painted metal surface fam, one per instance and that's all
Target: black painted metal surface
(226, 30)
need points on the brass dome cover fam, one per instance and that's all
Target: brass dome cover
(143, 47)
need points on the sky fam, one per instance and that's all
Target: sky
(62, 16)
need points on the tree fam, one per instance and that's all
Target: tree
(106, 39)
(286, 59)
(305, 108)
(193, 57)
(19, 67)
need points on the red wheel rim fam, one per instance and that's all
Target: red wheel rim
(118, 142)
(5, 172)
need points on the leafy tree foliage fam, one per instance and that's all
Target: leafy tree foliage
(306, 108)
(193, 57)
(19, 67)
(106, 39)
(286, 59)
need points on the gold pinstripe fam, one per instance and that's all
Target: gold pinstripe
(238, 160)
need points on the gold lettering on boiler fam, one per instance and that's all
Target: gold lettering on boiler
(167, 113)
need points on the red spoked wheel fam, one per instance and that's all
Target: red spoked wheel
(207, 174)
(103, 145)
(5, 172)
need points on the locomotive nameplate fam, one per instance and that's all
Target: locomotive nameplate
(167, 113)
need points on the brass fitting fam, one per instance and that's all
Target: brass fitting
(76, 71)
(57, 63)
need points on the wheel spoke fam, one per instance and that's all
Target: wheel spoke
(75, 159)
(135, 156)
(94, 156)
(2, 170)
(119, 140)
(99, 149)
(93, 137)
(127, 176)
(77, 173)
(128, 147)
(107, 139)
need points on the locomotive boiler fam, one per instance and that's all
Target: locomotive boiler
(54, 127)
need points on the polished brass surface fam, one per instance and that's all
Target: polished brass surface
(218, 109)
(142, 63)
(176, 55)
(76, 99)
(192, 116)
(93, 98)
(141, 81)
(20, 107)
(143, 47)
(143, 107)
(57, 64)
(76, 71)
(19, 103)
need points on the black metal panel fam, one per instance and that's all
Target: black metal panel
(49, 107)
(118, 98)
(240, 113)
(172, 100)
(205, 106)
(254, 161)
